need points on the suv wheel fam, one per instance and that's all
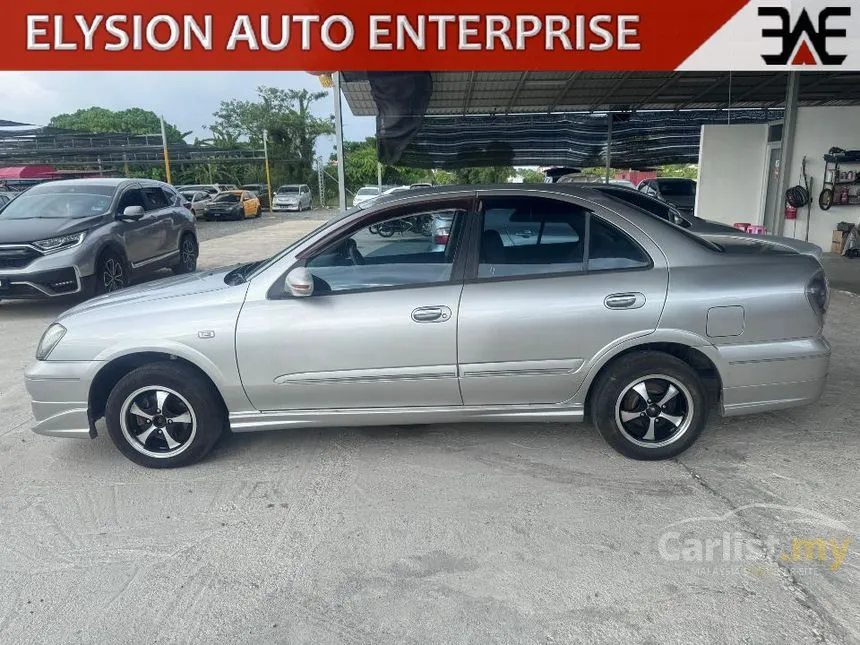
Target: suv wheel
(649, 406)
(111, 273)
(164, 415)
(188, 253)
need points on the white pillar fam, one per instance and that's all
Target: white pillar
(338, 125)
(787, 150)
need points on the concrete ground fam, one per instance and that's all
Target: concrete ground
(438, 534)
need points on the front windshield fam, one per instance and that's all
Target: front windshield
(227, 198)
(365, 192)
(60, 202)
(288, 190)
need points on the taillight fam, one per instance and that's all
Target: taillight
(441, 236)
(818, 293)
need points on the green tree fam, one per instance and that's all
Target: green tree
(131, 121)
(490, 175)
(360, 167)
(532, 176)
(292, 127)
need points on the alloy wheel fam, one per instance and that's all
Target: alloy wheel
(654, 411)
(113, 275)
(158, 422)
(188, 254)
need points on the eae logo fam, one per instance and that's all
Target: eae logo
(795, 49)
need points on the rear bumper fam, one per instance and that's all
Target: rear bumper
(60, 395)
(762, 377)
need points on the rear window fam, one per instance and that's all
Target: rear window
(677, 188)
(227, 198)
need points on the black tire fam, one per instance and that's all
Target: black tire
(188, 252)
(625, 419)
(259, 211)
(112, 274)
(385, 230)
(190, 395)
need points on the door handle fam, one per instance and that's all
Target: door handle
(431, 314)
(625, 301)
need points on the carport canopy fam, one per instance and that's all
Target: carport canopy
(407, 104)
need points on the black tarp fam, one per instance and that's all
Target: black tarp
(407, 137)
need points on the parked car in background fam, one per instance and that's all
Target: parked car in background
(346, 328)
(233, 205)
(365, 193)
(678, 191)
(92, 236)
(713, 231)
(197, 200)
(6, 197)
(422, 184)
(260, 190)
(622, 182)
(292, 197)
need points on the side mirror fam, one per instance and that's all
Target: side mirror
(300, 283)
(132, 213)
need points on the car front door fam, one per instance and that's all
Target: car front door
(533, 316)
(159, 215)
(379, 331)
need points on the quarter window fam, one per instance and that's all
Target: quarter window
(609, 248)
(408, 250)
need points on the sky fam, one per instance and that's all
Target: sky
(186, 99)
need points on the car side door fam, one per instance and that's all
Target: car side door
(160, 217)
(379, 330)
(534, 317)
(136, 234)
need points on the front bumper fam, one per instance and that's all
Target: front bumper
(59, 391)
(285, 207)
(30, 284)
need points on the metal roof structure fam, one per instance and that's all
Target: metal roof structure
(483, 93)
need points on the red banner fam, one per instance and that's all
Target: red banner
(372, 35)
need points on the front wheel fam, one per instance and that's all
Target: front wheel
(649, 405)
(164, 415)
(111, 274)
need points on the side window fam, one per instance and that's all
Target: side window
(609, 248)
(131, 197)
(531, 236)
(406, 250)
(171, 197)
(155, 198)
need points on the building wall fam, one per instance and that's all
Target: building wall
(818, 130)
(731, 173)
(732, 162)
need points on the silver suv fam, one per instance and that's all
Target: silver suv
(91, 236)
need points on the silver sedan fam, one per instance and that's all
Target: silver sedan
(547, 303)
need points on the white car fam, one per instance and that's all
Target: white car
(292, 197)
(364, 194)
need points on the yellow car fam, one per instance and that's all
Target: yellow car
(233, 204)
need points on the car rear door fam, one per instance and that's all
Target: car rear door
(379, 331)
(159, 216)
(533, 317)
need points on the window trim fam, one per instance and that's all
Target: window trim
(124, 191)
(458, 269)
(472, 277)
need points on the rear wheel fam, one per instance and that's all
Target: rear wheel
(649, 406)
(188, 253)
(164, 415)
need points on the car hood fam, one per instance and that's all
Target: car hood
(33, 229)
(178, 286)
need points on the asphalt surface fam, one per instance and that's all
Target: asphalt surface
(214, 230)
(486, 533)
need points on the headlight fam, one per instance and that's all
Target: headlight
(59, 243)
(50, 339)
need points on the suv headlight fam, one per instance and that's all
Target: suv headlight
(59, 243)
(50, 339)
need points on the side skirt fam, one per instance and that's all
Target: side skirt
(256, 421)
